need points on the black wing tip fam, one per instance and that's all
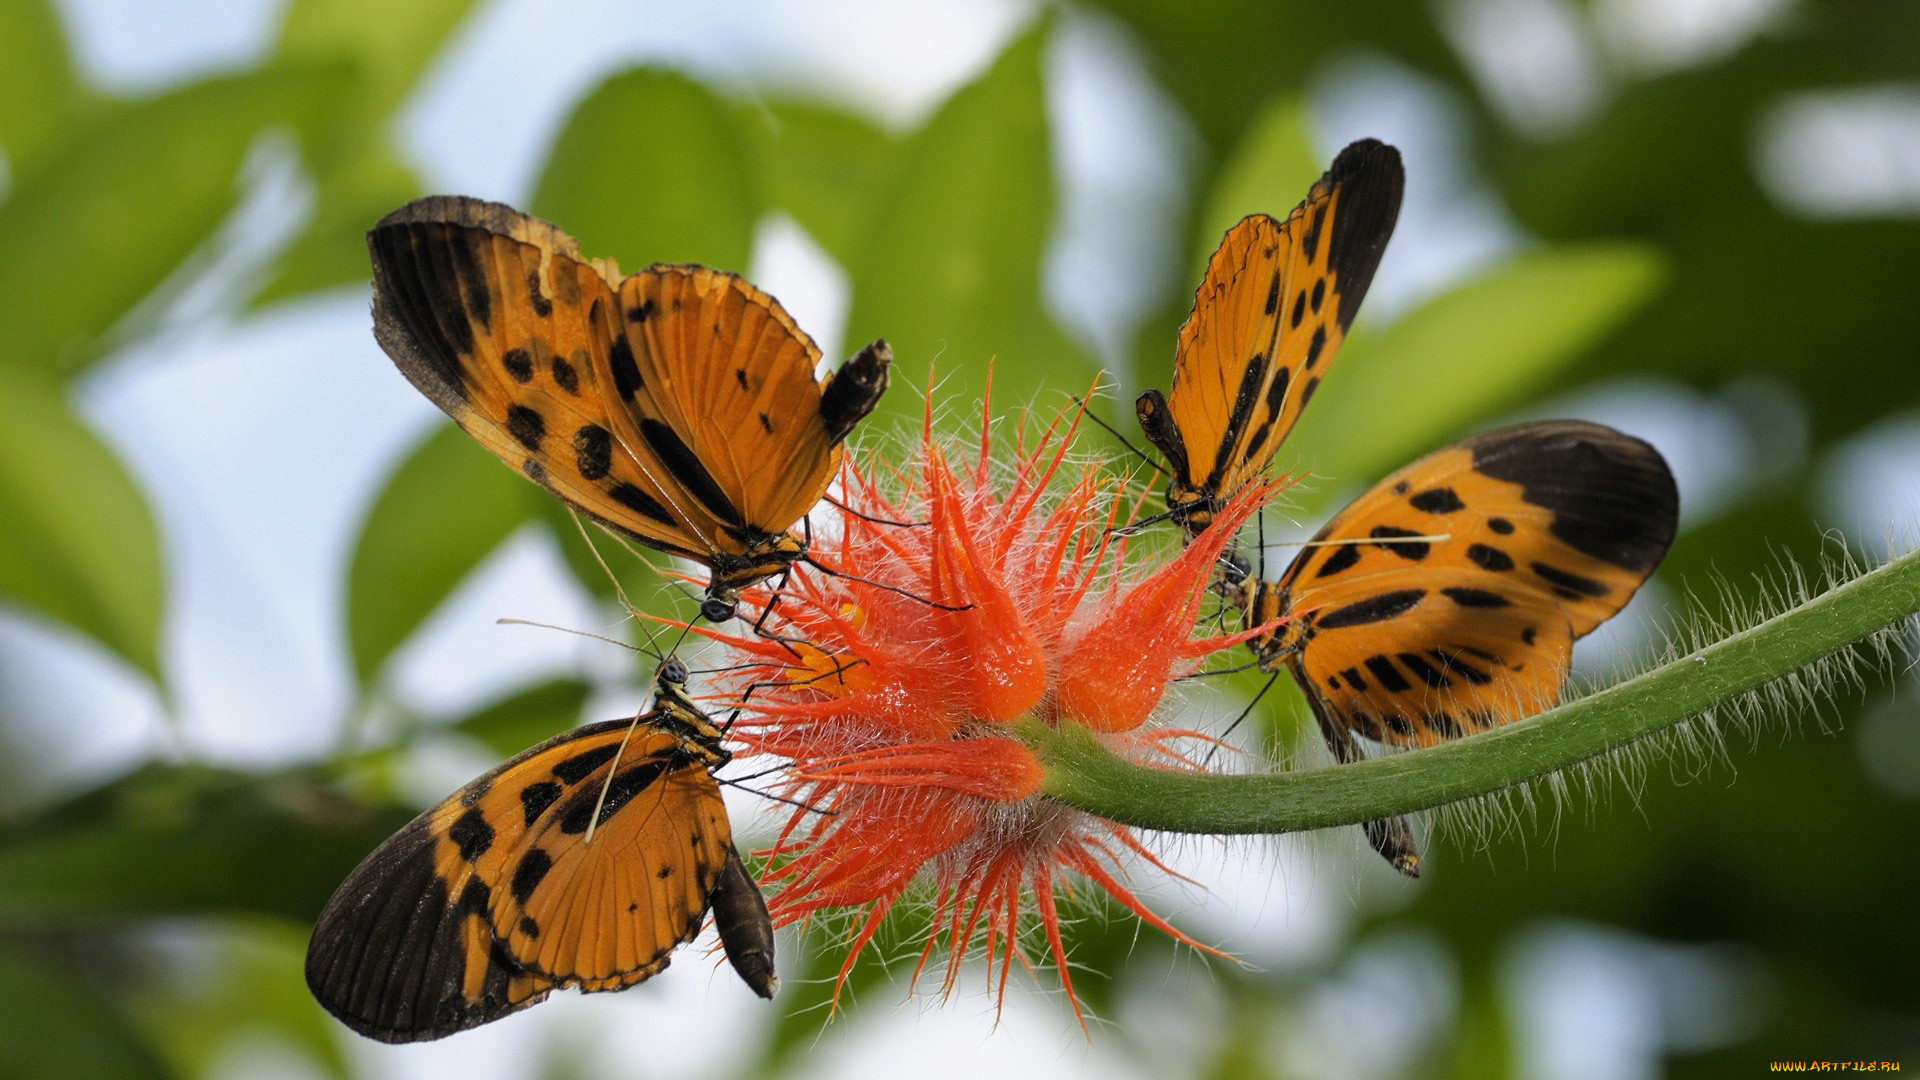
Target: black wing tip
(1368, 157)
(1642, 515)
(456, 210)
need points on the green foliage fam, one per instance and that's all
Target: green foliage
(446, 507)
(78, 545)
(123, 201)
(654, 167)
(950, 269)
(1654, 251)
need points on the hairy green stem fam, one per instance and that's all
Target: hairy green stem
(1083, 773)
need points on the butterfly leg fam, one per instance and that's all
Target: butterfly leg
(1391, 837)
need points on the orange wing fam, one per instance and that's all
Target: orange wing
(1548, 529)
(548, 359)
(1267, 319)
(489, 901)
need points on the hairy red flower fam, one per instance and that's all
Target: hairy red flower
(969, 601)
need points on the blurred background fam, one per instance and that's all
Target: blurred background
(249, 578)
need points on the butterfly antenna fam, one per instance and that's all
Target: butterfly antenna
(1088, 412)
(627, 645)
(844, 576)
(1238, 720)
(613, 767)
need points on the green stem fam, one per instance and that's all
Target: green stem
(1083, 773)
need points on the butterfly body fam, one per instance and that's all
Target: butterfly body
(1267, 319)
(1446, 599)
(677, 406)
(583, 862)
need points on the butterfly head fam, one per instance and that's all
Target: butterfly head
(766, 555)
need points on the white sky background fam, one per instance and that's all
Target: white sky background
(261, 443)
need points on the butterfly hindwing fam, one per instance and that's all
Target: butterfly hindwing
(679, 406)
(1540, 532)
(494, 898)
(1267, 319)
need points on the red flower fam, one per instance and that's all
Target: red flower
(967, 602)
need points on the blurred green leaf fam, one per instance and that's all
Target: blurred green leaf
(391, 44)
(55, 1027)
(523, 719)
(354, 192)
(1465, 355)
(1269, 171)
(641, 572)
(186, 840)
(38, 91)
(825, 167)
(358, 175)
(79, 544)
(254, 982)
(653, 167)
(123, 203)
(447, 506)
(1224, 61)
(950, 269)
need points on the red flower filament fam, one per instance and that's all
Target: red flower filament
(896, 696)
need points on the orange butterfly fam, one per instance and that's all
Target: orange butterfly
(1446, 599)
(1267, 320)
(583, 862)
(678, 406)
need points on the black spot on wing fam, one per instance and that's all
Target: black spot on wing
(531, 871)
(641, 503)
(686, 467)
(529, 927)
(626, 373)
(1440, 500)
(565, 376)
(1244, 400)
(526, 425)
(640, 312)
(1500, 526)
(1565, 582)
(1352, 675)
(1475, 598)
(1343, 558)
(1299, 309)
(1373, 609)
(626, 783)
(471, 834)
(1273, 294)
(470, 250)
(1386, 537)
(593, 451)
(1369, 179)
(1489, 558)
(542, 306)
(1422, 670)
(1387, 675)
(1451, 660)
(576, 768)
(1315, 345)
(665, 872)
(1611, 495)
(1319, 294)
(519, 365)
(536, 797)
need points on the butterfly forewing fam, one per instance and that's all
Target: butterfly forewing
(1267, 319)
(1446, 599)
(726, 370)
(490, 900)
(679, 407)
